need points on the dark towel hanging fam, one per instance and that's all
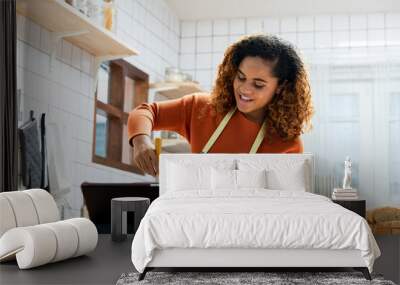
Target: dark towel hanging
(31, 161)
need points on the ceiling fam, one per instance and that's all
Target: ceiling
(216, 9)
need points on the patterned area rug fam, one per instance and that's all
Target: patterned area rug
(229, 278)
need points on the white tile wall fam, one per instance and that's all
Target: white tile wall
(323, 23)
(217, 59)
(22, 27)
(309, 33)
(44, 40)
(204, 28)
(288, 24)
(393, 20)
(65, 93)
(234, 38)
(220, 43)
(340, 22)
(341, 38)
(204, 77)
(271, 25)
(188, 29)
(393, 37)
(187, 61)
(66, 52)
(204, 44)
(34, 34)
(203, 61)
(289, 36)
(85, 61)
(305, 40)
(358, 22)
(305, 24)
(237, 26)
(358, 38)
(188, 45)
(376, 21)
(376, 37)
(254, 25)
(220, 27)
(76, 57)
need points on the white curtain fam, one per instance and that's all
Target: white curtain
(356, 94)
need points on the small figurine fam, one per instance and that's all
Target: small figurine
(347, 173)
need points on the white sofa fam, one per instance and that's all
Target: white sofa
(31, 230)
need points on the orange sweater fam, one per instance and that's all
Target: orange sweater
(194, 118)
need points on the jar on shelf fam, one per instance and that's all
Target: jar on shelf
(79, 5)
(173, 74)
(187, 77)
(109, 15)
(94, 11)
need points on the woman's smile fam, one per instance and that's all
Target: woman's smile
(245, 99)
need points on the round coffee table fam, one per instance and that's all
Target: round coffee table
(119, 208)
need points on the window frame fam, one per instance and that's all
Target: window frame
(116, 116)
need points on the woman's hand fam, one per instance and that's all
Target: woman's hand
(144, 154)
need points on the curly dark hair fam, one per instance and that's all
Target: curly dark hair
(289, 112)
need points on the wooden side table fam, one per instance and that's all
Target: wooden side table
(357, 206)
(119, 208)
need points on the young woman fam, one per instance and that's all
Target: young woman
(261, 103)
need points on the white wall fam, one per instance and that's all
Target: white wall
(153, 29)
(203, 42)
(66, 94)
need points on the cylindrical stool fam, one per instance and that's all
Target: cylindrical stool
(119, 208)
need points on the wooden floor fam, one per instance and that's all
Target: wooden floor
(102, 266)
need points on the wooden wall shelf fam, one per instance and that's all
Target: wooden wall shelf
(64, 21)
(174, 90)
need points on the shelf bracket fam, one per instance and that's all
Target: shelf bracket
(98, 60)
(55, 39)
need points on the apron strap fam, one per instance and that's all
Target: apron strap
(218, 131)
(259, 139)
(257, 142)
